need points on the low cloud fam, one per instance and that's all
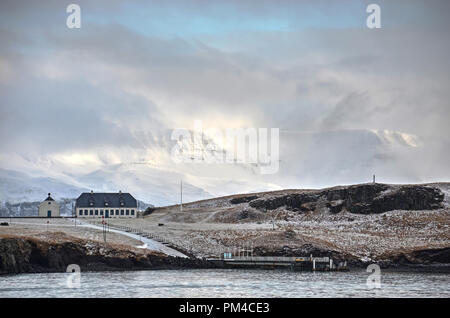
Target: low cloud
(349, 101)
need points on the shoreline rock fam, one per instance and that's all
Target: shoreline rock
(424, 259)
(36, 255)
(359, 199)
(30, 255)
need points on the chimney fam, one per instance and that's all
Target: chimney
(92, 191)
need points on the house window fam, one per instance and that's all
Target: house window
(85, 212)
(80, 212)
(96, 212)
(128, 212)
(91, 212)
(101, 212)
(121, 212)
(117, 212)
(132, 212)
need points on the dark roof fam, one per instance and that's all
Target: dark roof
(101, 200)
(49, 198)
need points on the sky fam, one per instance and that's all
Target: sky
(349, 101)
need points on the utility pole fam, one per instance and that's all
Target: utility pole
(181, 196)
(373, 178)
(104, 229)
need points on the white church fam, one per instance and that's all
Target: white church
(49, 208)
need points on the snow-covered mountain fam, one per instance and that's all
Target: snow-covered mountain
(16, 187)
(155, 186)
(21, 193)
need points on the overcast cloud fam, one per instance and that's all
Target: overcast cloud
(349, 101)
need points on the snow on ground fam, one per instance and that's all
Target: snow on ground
(148, 243)
(208, 228)
(39, 227)
(82, 229)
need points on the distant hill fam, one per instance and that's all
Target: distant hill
(362, 199)
(20, 193)
(18, 187)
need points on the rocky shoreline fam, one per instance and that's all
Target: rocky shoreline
(437, 259)
(33, 255)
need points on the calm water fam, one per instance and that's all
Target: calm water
(225, 283)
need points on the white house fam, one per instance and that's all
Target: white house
(106, 205)
(49, 208)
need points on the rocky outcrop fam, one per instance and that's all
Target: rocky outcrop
(27, 255)
(378, 198)
(304, 250)
(244, 199)
(435, 256)
(362, 199)
(247, 215)
(297, 201)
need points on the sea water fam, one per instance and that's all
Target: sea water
(225, 283)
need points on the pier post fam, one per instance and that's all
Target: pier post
(314, 264)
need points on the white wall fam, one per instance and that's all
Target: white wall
(49, 206)
(101, 212)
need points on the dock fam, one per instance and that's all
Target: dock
(293, 263)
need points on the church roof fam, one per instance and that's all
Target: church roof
(49, 198)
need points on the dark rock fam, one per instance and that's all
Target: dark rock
(243, 199)
(19, 255)
(248, 215)
(361, 199)
(290, 234)
(304, 250)
(335, 206)
(424, 256)
(243, 214)
(298, 201)
(308, 207)
(440, 255)
(149, 210)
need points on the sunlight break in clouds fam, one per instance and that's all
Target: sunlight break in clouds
(99, 102)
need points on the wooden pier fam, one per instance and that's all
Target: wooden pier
(292, 263)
